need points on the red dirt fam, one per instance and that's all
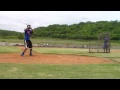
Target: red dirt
(51, 59)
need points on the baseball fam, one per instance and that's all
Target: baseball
(59, 56)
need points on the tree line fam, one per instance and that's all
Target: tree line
(6, 34)
(81, 31)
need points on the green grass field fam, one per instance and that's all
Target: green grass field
(40, 71)
(9, 49)
(56, 41)
(45, 40)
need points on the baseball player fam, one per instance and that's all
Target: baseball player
(27, 42)
(105, 43)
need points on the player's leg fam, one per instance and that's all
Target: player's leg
(30, 46)
(30, 51)
(106, 50)
(104, 47)
(25, 44)
(107, 47)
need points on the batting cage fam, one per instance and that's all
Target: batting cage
(102, 45)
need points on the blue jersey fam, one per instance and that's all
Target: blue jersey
(106, 40)
(27, 34)
(105, 43)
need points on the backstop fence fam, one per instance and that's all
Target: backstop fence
(99, 46)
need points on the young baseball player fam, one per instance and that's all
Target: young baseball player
(27, 42)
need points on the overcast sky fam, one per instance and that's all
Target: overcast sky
(15, 20)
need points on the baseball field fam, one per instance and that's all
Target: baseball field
(58, 63)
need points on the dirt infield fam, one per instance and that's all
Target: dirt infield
(51, 59)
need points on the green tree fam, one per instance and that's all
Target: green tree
(20, 36)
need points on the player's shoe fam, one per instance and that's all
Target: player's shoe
(22, 54)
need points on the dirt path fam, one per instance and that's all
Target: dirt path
(51, 59)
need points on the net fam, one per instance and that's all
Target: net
(102, 45)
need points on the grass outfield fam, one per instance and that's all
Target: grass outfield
(56, 41)
(38, 71)
(9, 49)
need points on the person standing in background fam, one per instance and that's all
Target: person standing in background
(105, 47)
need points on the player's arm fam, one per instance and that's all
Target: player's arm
(32, 30)
(26, 29)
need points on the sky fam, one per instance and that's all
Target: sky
(17, 20)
